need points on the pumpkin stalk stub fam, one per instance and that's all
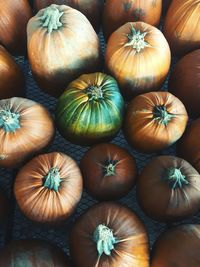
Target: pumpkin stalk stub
(51, 18)
(94, 92)
(175, 178)
(9, 121)
(103, 236)
(161, 114)
(110, 169)
(136, 39)
(52, 179)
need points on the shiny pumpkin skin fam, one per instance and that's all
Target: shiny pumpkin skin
(178, 247)
(40, 203)
(115, 171)
(138, 72)
(118, 12)
(132, 247)
(85, 116)
(144, 131)
(13, 14)
(4, 207)
(92, 9)
(159, 194)
(188, 146)
(63, 54)
(12, 82)
(180, 26)
(36, 131)
(184, 82)
(33, 253)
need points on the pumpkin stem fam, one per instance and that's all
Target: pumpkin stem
(109, 169)
(136, 39)
(94, 92)
(51, 18)
(161, 114)
(52, 179)
(175, 178)
(103, 236)
(9, 121)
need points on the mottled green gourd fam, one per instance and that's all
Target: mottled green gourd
(52, 179)
(161, 114)
(9, 121)
(51, 18)
(103, 237)
(136, 39)
(175, 178)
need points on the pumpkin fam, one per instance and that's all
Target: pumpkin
(92, 9)
(4, 207)
(90, 110)
(178, 247)
(189, 145)
(138, 57)
(168, 189)
(48, 187)
(109, 234)
(117, 12)
(33, 252)
(12, 79)
(181, 26)
(114, 168)
(184, 82)
(26, 128)
(62, 45)
(154, 121)
(14, 16)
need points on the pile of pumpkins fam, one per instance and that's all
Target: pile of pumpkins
(97, 96)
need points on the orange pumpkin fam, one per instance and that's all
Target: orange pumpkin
(14, 16)
(154, 121)
(48, 187)
(138, 56)
(62, 45)
(26, 128)
(92, 9)
(117, 12)
(181, 27)
(12, 79)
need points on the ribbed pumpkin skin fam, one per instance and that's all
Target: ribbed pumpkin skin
(12, 81)
(58, 57)
(86, 121)
(132, 249)
(92, 9)
(32, 253)
(117, 12)
(14, 16)
(181, 26)
(138, 72)
(38, 202)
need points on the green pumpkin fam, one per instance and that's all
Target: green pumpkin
(90, 110)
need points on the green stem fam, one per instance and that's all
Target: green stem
(94, 92)
(103, 236)
(9, 121)
(175, 178)
(136, 39)
(109, 169)
(51, 18)
(52, 179)
(161, 114)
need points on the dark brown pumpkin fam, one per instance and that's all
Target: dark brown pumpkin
(92, 9)
(178, 247)
(109, 171)
(33, 253)
(11, 77)
(48, 187)
(168, 189)
(154, 121)
(26, 128)
(62, 45)
(14, 16)
(109, 235)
